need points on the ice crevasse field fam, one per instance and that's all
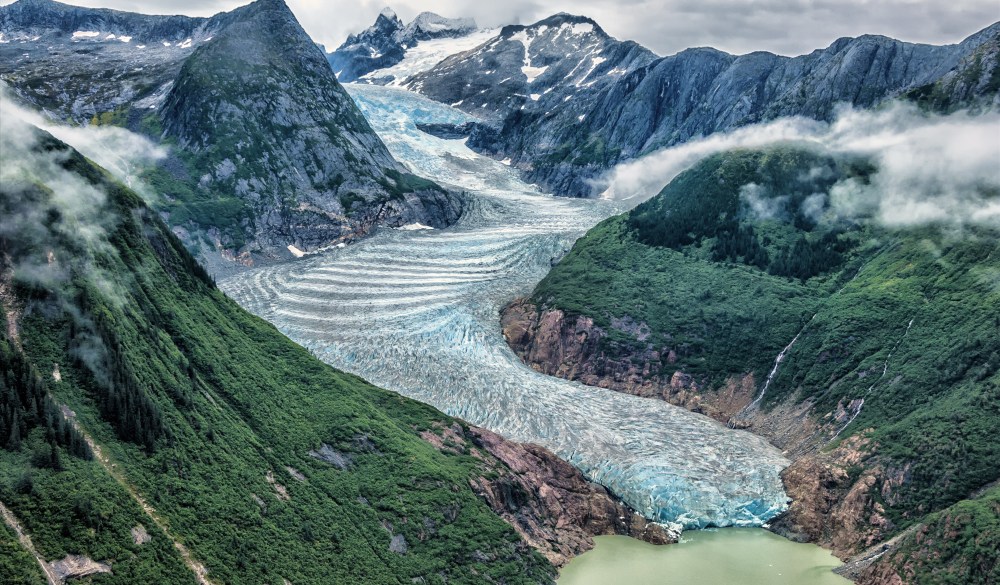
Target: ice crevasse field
(416, 311)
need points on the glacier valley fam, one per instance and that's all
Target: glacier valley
(416, 311)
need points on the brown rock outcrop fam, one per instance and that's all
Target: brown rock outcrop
(548, 501)
(574, 348)
(832, 502)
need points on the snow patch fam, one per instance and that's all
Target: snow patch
(295, 251)
(125, 39)
(166, 44)
(534, 97)
(85, 34)
(532, 73)
(412, 227)
(581, 117)
(186, 44)
(506, 161)
(580, 28)
(426, 54)
(110, 37)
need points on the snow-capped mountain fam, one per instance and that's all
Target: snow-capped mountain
(531, 67)
(563, 101)
(388, 41)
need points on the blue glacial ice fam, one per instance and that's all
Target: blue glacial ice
(417, 312)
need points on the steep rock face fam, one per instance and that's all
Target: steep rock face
(267, 150)
(573, 348)
(25, 19)
(548, 501)
(267, 121)
(385, 43)
(974, 83)
(373, 48)
(567, 107)
(78, 62)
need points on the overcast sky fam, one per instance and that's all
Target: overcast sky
(789, 27)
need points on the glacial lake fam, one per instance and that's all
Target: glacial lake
(729, 556)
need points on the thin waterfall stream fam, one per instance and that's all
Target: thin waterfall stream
(416, 311)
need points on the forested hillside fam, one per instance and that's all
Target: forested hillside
(871, 354)
(154, 428)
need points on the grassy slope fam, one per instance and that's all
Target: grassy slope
(239, 400)
(934, 413)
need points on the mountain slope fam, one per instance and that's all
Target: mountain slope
(564, 102)
(869, 354)
(267, 150)
(150, 425)
(271, 131)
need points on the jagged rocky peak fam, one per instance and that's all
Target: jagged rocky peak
(385, 43)
(268, 149)
(428, 25)
(271, 125)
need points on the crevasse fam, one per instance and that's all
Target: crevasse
(416, 311)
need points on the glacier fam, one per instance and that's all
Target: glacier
(416, 311)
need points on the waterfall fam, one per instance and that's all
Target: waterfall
(885, 369)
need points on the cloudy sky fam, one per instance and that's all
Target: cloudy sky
(789, 27)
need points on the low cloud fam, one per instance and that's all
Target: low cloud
(121, 152)
(760, 204)
(931, 169)
(53, 222)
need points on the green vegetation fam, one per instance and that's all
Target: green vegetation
(17, 566)
(757, 207)
(116, 117)
(226, 460)
(399, 184)
(957, 546)
(907, 320)
(711, 315)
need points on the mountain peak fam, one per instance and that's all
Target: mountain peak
(388, 13)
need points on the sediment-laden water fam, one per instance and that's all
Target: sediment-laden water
(416, 311)
(730, 556)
